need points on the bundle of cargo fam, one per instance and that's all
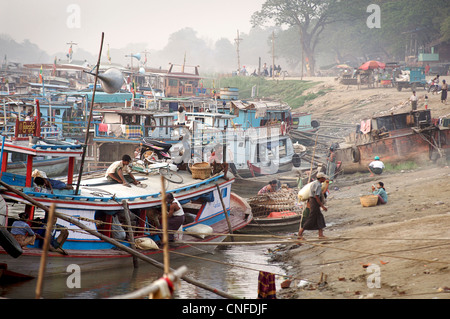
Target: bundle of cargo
(275, 211)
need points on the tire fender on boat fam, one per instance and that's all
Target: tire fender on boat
(9, 243)
(356, 155)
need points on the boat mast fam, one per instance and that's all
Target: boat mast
(88, 124)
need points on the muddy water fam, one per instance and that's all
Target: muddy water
(233, 269)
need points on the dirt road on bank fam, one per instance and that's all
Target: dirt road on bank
(397, 250)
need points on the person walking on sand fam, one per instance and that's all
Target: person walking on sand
(120, 172)
(315, 220)
(444, 89)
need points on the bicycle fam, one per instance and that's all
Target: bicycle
(162, 168)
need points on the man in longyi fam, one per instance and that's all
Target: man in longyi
(315, 220)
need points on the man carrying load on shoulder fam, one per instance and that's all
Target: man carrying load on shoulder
(315, 220)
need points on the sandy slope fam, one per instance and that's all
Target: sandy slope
(407, 240)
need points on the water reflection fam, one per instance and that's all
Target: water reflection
(239, 279)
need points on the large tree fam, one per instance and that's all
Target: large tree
(309, 17)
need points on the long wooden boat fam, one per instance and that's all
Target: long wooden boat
(99, 200)
(412, 136)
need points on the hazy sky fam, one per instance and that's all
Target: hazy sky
(52, 23)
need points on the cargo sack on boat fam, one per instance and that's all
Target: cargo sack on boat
(200, 231)
(145, 244)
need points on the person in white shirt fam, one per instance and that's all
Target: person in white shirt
(120, 172)
(413, 99)
(376, 166)
(175, 214)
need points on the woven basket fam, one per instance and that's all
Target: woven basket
(201, 170)
(369, 200)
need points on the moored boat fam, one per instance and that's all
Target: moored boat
(395, 138)
(279, 211)
(98, 200)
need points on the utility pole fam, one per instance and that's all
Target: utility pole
(273, 55)
(237, 40)
(69, 55)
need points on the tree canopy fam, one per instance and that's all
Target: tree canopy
(314, 28)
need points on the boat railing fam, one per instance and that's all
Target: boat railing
(51, 131)
(135, 131)
(69, 194)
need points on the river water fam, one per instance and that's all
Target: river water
(233, 269)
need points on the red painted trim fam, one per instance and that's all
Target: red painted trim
(70, 170)
(29, 170)
(5, 161)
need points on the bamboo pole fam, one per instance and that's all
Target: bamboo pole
(130, 233)
(164, 224)
(225, 211)
(115, 242)
(43, 264)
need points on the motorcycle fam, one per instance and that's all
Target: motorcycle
(433, 87)
(154, 151)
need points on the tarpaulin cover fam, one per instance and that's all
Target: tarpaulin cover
(281, 214)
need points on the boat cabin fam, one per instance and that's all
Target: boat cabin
(259, 113)
(179, 84)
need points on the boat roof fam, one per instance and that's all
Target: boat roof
(211, 114)
(44, 147)
(253, 105)
(134, 111)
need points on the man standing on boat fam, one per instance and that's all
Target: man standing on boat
(120, 172)
(315, 220)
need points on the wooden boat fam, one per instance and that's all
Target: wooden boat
(274, 212)
(412, 136)
(16, 125)
(98, 200)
